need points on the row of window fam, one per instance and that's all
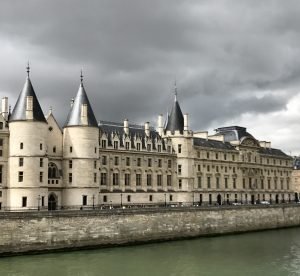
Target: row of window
(24, 201)
(138, 179)
(21, 176)
(128, 197)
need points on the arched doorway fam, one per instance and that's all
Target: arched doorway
(52, 202)
(219, 199)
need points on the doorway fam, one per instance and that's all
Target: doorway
(52, 202)
(219, 199)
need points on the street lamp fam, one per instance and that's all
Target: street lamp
(93, 201)
(121, 199)
(38, 199)
(165, 200)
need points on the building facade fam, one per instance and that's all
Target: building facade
(92, 164)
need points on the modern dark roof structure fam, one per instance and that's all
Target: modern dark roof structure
(274, 152)
(74, 117)
(208, 143)
(233, 133)
(19, 111)
(175, 120)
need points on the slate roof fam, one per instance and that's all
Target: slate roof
(296, 163)
(233, 133)
(74, 117)
(19, 111)
(274, 152)
(201, 142)
(175, 120)
(135, 131)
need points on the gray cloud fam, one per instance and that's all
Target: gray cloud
(229, 57)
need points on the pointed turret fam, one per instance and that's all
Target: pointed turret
(81, 113)
(27, 106)
(175, 119)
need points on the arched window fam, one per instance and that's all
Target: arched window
(52, 171)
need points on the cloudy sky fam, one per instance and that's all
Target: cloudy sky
(235, 62)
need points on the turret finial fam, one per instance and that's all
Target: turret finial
(81, 76)
(28, 69)
(175, 90)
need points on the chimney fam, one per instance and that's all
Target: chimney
(186, 122)
(147, 130)
(29, 107)
(126, 126)
(84, 115)
(5, 108)
(160, 124)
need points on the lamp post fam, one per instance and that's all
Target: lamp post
(93, 201)
(38, 199)
(121, 195)
(165, 200)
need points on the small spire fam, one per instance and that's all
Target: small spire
(50, 109)
(175, 90)
(81, 76)
(28, 69)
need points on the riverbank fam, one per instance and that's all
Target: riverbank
(28, 232)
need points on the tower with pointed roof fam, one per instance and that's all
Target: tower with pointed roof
(27, 160)
(80, 152)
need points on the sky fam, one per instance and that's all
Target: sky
(234, 62)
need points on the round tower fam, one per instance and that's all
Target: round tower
(28, 164)
(80, 154)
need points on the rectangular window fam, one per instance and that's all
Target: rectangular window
(115, 179)
(128, 198)
(262, 184)
(1, 152)
(41, 146)
(169, 180)
(226, 183)
(54, 149)
(105, 198)
(95, 164)
(70, 177)
(95, 150)
(169, 164)
(208, 168)
(21, 145)
(103, 144)
(21, 162)
(71, 149)
(217, 182)
(148, 147)
(127, 179)
(269, 184)
(1, 142)
(225, 156)
(179, 169)
(180, 183)
(159, 148)
(233, 169)
(24, 201)
(1, 167)
(281, 184)
(138, 146)
(149, 180)
(127, 145)
(149, 162)
(179, 148)
(159, 163)
(207, 155)
(233, 157)
(116, 160)
(199, 182)
(95, 177)
(138, 162)
(217, 156)
(234, 183)
(244, 183)
(41, 176)
(138, 179)
(169, 148)
(159, 180)
(70, 164)
(150, 197)
(127, 161)
(208, 182)
(103, 179)
(171, 197)
(275, 184)
(41, 162)
(43, 201)
(104, 160)
(84, 200)
(116, 144)
(21, 176)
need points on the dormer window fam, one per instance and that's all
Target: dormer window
(159, 148)
(148, 147)
(127, 145)
(103, 144)
(116, 144)
(1, 125)
(138, 146)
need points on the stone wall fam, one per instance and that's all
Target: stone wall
(42, 231)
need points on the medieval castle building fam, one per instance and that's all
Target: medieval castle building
(92, 163)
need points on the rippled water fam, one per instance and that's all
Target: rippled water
(273, 253)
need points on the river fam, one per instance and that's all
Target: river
(275, 252)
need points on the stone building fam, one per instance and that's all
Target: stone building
(92, 163)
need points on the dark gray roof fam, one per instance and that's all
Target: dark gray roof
(296, 163)
(233, 133)
(74, 117)
(19, 111)
(201, 142)
(135, 131)
(175, 119)
(274, 152)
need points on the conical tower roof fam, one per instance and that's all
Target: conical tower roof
(19, 111)
(74, 117)
(175, 119)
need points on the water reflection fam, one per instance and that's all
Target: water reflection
(263, 253)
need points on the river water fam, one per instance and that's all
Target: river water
(275, 252)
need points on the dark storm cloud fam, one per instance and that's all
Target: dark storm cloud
(229, 57)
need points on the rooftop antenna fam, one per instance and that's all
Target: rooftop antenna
(28, 69)
(81, 76)
(175, 90)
